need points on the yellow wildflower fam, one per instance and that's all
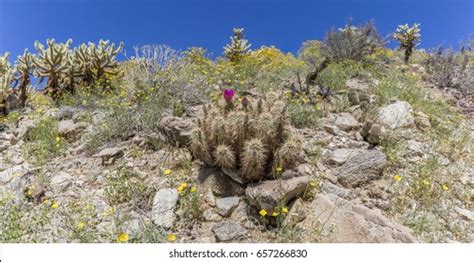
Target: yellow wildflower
(46, 201)
(171, 237)
(55, 205)
(275, 214)
(279, 169)
(263, 212)
(58, 139)
(80, 225)
(445, 187)
(425, 182)
(122, 238)
(193, 189)
(397, 177)
(284, 210)
(29, 192)
(312, 184)
(167, 171)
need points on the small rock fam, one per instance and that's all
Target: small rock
(228, 230)
(396, 115)
(346, 122)
(335, 190)
(375, 134)
(62, 180)
(164, 204)
(226, 205)
(297, 214)
(353, 96)
(210, 198)
(24, 127)
(340, 155)
(176, 129)
(271, 193)
(333, 130)
(211, 216)
(361, 168)
(465, 214)
(109, 155)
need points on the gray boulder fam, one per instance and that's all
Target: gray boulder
(164, 204)
(396, 115)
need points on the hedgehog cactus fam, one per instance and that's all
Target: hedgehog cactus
(24, 67)
(251, 137)
(51, 63)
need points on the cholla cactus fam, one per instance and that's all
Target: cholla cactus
(23, 70)
(6, 78)
(252, 137)
(238, 46)
(5, 89)
(4, 64)
(51, 63)
(97, 61)
(409, 37)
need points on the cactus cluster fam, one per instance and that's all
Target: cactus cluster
(96, 61)
(251, 137)
(62, 66)
(409, 37)
(238, 46)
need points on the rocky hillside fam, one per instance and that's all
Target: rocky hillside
(386, 156)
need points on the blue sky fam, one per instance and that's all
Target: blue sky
(208, 23)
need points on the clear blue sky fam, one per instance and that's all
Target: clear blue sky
(208, 23)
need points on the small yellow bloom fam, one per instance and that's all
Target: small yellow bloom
(46, 201)
(55, 205)
(193, 189)
(426, 182)
(263, 212)
(445, 187)
(284, 210)
(29, 192)
(58, 139)
(275, 214)
(167, 171)
(397, 177)
(171, 237)
(312, 184)
(80, 225)
(122, 238)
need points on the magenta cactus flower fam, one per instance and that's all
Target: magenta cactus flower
(229, 94)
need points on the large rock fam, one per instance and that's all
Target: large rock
(346, 122)
(164, 204)
(271, 193)
(228, 230)
(362, 168)
(338, 221)
(396, 115)
(176, 129)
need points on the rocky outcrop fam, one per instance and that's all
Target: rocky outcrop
(335, 220)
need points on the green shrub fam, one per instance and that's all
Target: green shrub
(123, 185)
(43, 142)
